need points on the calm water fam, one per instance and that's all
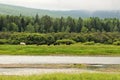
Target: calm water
(58, 60)
(101, 61)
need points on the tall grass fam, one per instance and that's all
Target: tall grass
(62, 76)
(75, 49)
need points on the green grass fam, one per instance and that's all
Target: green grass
(75, 49)
(62, 76)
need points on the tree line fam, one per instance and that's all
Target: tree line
(47, 24)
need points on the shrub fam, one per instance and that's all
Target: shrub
(89, 43)
(3, 41)
(116, 43)
(80, 38)
(65, 41)
(50, 39)
(14, 42)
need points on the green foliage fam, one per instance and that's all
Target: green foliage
(15, 42)
(12, 27)
(4, 35)
(47, 24)
(84, 30)
(30, 28)
(36, 39)
(89, 43)
(116, 43)
(65, 41)
(51, 38)
(74, 49)
(3, 41)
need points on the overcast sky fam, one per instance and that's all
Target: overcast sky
(67, 4)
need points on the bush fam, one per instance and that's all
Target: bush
(50, 39)
(15, 42)
(80, 38)
(3, 41)
(116, 43)
(65, 41)
(35, 39)
(89, 43)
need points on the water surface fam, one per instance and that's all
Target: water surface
(58, 60)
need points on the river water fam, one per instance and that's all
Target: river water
(58, 60)
(95, 61)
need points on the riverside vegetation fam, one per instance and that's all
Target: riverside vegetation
(85, 35)
(47, 30)
(63, 76)
(74, 49)
(98, 43)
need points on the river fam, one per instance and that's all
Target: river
(58, 60)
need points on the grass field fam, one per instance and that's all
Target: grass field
(75, 49)
(62, 76)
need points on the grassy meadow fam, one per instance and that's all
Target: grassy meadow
(63, 76)
(75, 49)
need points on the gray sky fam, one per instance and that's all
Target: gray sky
(67, 4)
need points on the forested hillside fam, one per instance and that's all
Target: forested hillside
(48, 27)
(17, 10)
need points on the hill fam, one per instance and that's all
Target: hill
(17, 10)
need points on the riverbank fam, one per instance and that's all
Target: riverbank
(65, 76)
(30, 69)
(66, 50)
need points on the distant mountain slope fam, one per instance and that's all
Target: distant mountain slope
(17, 10)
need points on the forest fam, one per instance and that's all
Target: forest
(49, 30)
(47, 24)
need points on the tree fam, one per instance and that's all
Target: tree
(47, 24)
(71, 24)
(61, 24)
(37, 28)
(46, 21)
(67, 29)
(23, 25)
(30, 28)
(1, 23)
(84, 30)
(13, 27)
(79, 25)
(88, 24)
(36, 19)
(56, 25)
